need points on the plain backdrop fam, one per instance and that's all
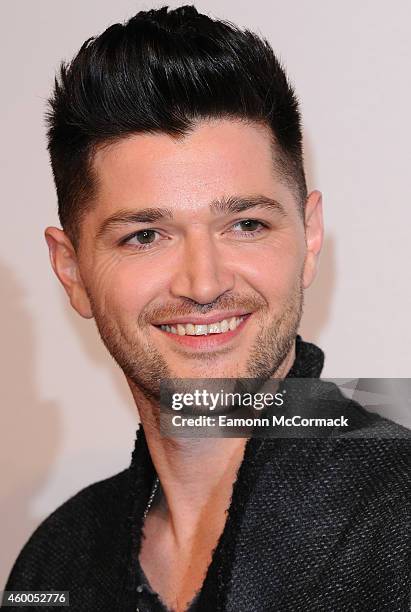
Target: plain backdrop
(67, 418)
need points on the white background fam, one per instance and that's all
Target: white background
(67, 418)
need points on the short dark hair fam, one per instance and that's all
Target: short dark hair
(162, 71)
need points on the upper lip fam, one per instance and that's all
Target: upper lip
(203, 320)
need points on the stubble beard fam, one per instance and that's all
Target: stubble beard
(145, 366)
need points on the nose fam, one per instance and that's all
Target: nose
(202, 273)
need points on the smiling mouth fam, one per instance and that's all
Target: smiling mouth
(191, 329)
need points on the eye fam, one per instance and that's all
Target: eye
(143, 239)
(251, 227)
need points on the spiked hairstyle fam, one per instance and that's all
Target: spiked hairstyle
(162, 71)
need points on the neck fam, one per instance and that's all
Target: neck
(196, 474)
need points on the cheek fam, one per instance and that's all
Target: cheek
(273, 269)
(124, 286)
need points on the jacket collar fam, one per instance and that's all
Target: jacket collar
(308, 362)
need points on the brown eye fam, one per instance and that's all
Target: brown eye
(249, 225)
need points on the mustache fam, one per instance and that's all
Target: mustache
(189, 307)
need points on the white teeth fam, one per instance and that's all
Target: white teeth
(181, 330)
(214, 328)
(224, 325)
(232, 324)
(189, 329)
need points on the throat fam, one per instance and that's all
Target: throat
(176, 572)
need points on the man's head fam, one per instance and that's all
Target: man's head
(186, 131)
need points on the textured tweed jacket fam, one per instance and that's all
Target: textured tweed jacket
(313, 525)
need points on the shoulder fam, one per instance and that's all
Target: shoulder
(65, 542)
(369, 461)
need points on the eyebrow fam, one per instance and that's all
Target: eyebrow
(227, 206)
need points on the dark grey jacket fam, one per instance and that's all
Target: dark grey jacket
(314, 525)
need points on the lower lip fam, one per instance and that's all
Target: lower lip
(210, 341)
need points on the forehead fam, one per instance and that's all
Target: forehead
(217, 158)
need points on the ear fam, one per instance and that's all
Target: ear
(64, 262)
(314, 235)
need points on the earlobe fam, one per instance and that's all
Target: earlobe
(314, 235)
(64, 262)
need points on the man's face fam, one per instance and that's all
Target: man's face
(228, 245)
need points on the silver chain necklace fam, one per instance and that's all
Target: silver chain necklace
(152, 495)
